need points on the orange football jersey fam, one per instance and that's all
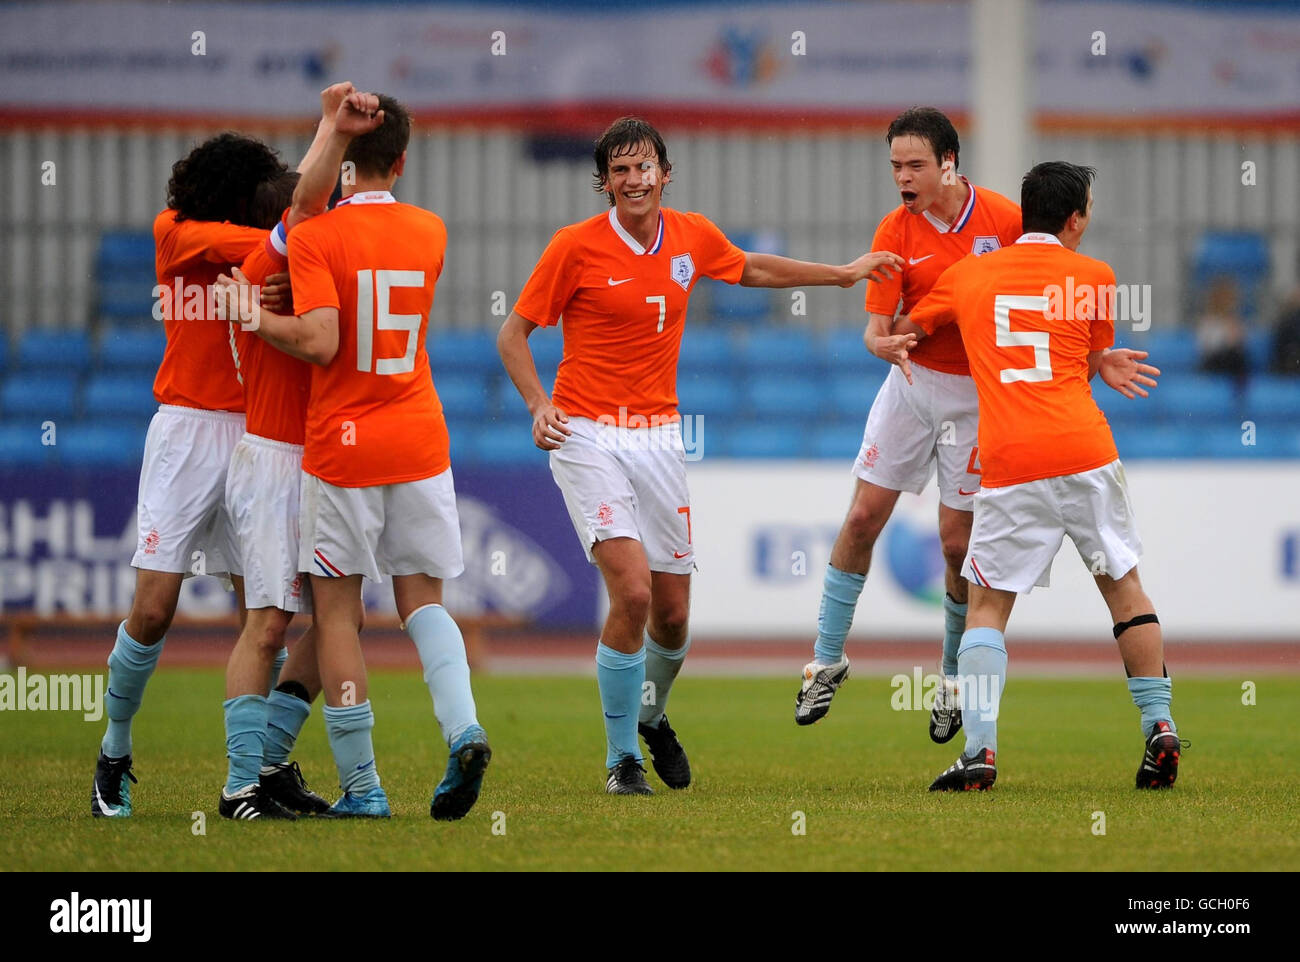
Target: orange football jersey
(624, 309)
(276, 385)
(373, 417)
(929, 247)
(1030, 314)
(199, 368)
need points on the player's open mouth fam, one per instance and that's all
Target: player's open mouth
(635, 195)
(908, 196)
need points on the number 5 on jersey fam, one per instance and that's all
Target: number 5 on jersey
(1003, 305)
(373, 288)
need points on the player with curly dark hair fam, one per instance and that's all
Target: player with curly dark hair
(222, 199)
(218, 180)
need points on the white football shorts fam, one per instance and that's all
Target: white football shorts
(911, 427)
(621, 482)
(1018, 529)
(262, 490)
(387, 529)
(181, 518)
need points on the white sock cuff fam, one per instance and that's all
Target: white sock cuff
(406, 625)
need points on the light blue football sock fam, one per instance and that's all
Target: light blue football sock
(349, 731)
(982, 672)
(954, 626)
(446, 670)
(661, 668)
(620, 678)
(277, 666)
(285, 716)
(1152, 696)
(129, 666)
(245, 739)
(840, 593)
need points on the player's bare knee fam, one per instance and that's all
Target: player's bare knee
(149, 621)
(668, 625)
(632, 601)
(864, 523)
(954, 553)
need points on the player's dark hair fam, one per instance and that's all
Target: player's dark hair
(1051, 192)
(271, 198)
(932, 126)
(375, 153)
(218, 179)
(621, 137)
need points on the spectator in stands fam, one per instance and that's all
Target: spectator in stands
(1220, 333)
(1286, 338)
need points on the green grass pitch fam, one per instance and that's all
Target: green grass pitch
(1067, 749)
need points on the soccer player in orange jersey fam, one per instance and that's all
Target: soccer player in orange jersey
(924, 418)
(1050, 468)
(622, 281)
(183, 529)
(263, 719)
(377, 489)
(918, 422)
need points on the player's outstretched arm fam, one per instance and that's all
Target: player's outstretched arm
(772, 270)
(1120, 369)
(356, 114)
(330, 98)
(313, 337)
(549, 429)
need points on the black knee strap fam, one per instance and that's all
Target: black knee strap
(1124, 626)
(294, 688)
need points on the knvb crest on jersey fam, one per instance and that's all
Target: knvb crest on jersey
(682, 270)
(984, 245)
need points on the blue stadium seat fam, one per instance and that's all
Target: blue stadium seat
(844, 352)
(838, 440)
(1259, 349)
(789, 349)
(124, 250)
(500, 444)
(127, 299)
(1187, 397)
(1174, 352)
(548, 348)
(464, 351)
(706, 349)
(113, 396)
(853, 394)
(465, 395)
(774, 439)
(41, 396)
(788, 397)
(1162, 441)
(54, 350)
(125, 269)
(712, 395)
(4, 351)
(82, 443)
(1272, 397)
(745, 305)
(132, 349)
(20, 445)
(1122, 411)
(1241, 256)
